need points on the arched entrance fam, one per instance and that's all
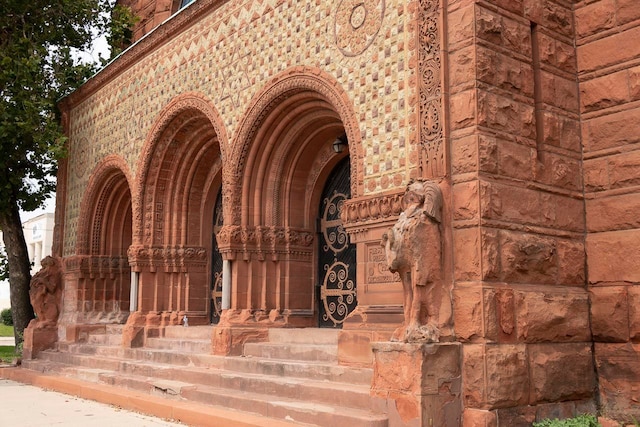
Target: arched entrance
(277, 170)
(180, 182)
(105, 235)
(336, 255)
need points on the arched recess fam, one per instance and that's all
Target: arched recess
(104, 237)
(275, 176)
(180, 177)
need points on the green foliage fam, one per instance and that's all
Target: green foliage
(7, 353)
(37, 69)
(6, 330)
(120, 29)
(7, 318)
(585, 420)
(4, 266)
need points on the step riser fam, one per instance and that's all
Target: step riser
(199, 346)
(301, 352)
(316, 336)
(191, 332)
(279, 411)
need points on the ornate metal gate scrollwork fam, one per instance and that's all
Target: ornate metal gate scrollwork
(337, 257)
(216, 264)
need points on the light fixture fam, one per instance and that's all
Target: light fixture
(340, 143)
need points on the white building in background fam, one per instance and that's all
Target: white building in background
(38, 234)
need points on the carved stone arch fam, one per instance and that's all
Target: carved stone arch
(104, 238)
(111, 171)
(317, 84)
(170, 120)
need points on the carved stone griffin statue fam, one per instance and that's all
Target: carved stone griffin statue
(45, 293)
(413, 249)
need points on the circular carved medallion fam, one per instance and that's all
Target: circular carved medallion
(357, 24)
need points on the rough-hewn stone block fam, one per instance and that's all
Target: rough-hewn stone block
(616, 129)
(528, 258)
(502, 31)
(466, 243)
(619, 47)
(613, 213)
(614, 256)
(503, 71)
(467, 303)
(561, 372)
(506, 114)
(463, 109)
(571, 259)
(595, 17)
(464, 154)
(495, 376)
(561, 131)
(633, 293)
(605, 91)
(542, 316)
(609, 314)
(550, 15)
(465, 200)
(619, 371)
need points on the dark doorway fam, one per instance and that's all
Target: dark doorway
(336, 287)
(215, 308)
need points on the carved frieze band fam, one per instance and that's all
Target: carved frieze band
(87, 264)
(359, 212)
(430, 88)
(264, 240)
(167, 256)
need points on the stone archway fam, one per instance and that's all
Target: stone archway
(281, 160)
(102, 270)
(180, 176)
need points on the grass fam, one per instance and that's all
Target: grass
(6, 331)
(7, 353)
(579, 421)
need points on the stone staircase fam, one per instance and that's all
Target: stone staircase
(293, 377)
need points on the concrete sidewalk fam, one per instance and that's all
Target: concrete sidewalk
(7, 341)
(28, 406)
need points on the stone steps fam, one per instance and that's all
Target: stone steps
(293, 378)
(198, 346)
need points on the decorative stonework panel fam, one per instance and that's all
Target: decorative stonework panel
(430, 68)
(357, 24)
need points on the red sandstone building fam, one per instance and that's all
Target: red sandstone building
(239, 164)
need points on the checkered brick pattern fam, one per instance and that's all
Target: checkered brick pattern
(229, 56)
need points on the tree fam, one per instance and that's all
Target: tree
(37, 68)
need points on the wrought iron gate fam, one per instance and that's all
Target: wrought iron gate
(337, 256)
(216, 264)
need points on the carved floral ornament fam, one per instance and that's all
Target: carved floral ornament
(230, 235)
(167, 253)
(357, 212)
(357, 24)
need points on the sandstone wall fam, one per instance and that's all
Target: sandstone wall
(608, 40)
(520, 302)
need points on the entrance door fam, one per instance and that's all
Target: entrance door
(215, 308)
(337, 256)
